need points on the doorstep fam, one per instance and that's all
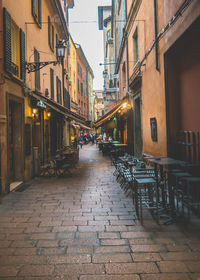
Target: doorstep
(14, 185)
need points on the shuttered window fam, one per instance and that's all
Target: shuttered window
(58, 87)
(37, 11)
(22, 56)
(52, 83)
(14, 47)
(37, 73)
(66, 99)
(50, 34)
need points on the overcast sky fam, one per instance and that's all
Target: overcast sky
(88, 34)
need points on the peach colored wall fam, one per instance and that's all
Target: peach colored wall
(192, 12)
(152, 89)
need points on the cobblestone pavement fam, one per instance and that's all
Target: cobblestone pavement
(84, 228)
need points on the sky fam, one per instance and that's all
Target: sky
(88, 35)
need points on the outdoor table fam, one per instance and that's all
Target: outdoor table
(167, 163)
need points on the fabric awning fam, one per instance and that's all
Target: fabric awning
(58, 107)
(76, 125)
(84, 126)
(109, 114)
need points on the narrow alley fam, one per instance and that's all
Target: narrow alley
(83, 227)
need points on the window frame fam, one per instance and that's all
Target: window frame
(37, 12)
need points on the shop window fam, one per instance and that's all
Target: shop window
(14, 47)
(37, 11)
(135, 47)
(52, 83)
(51, 34)
(37, 73)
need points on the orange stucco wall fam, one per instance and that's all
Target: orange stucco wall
(152, 88)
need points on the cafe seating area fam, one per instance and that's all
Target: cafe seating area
(61, 164)
(168, 188)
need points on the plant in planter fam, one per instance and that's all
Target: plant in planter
(67, 75)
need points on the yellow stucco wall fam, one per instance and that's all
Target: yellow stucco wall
(73, 70)
(152, 89)
(35, 37)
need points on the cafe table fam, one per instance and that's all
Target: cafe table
(166, 163)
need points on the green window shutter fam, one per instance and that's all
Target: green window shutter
(52, 37)
(22, 56)
(40, 13)
(56, 45)
(33, 8)
(57, 90)
(49, 31)
(7, 41)
(52, 82)
(37, 73)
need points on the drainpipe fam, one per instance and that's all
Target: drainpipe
(127, 64)
(156, 34)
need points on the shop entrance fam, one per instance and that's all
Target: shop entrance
(15, 141)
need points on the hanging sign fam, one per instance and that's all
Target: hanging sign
(41, 104)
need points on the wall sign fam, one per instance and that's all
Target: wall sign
(153, 124)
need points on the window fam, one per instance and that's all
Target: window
(37, 11)
(52, 83)
(37, 73)
(81, 88)
(58, 86)
(51, 34)
(14, 47)
(135, 48)
(66, 99)
(78, 86)
(108, 35)
(15, 50)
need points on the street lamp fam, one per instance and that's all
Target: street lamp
(60, 50)
(36, 66)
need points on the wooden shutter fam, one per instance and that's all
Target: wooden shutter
(56, 46)
(57, 89)
(40, 13)
(33, 8)
(22, 56)
(52, 83)
(37, 73)
(52, 37)
(49, 31)
(7, 41)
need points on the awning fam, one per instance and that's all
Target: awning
(84, 126)
(76, 125)
(58, 107)
(109, 114)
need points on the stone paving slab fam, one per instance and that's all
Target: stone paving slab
(84, 228)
